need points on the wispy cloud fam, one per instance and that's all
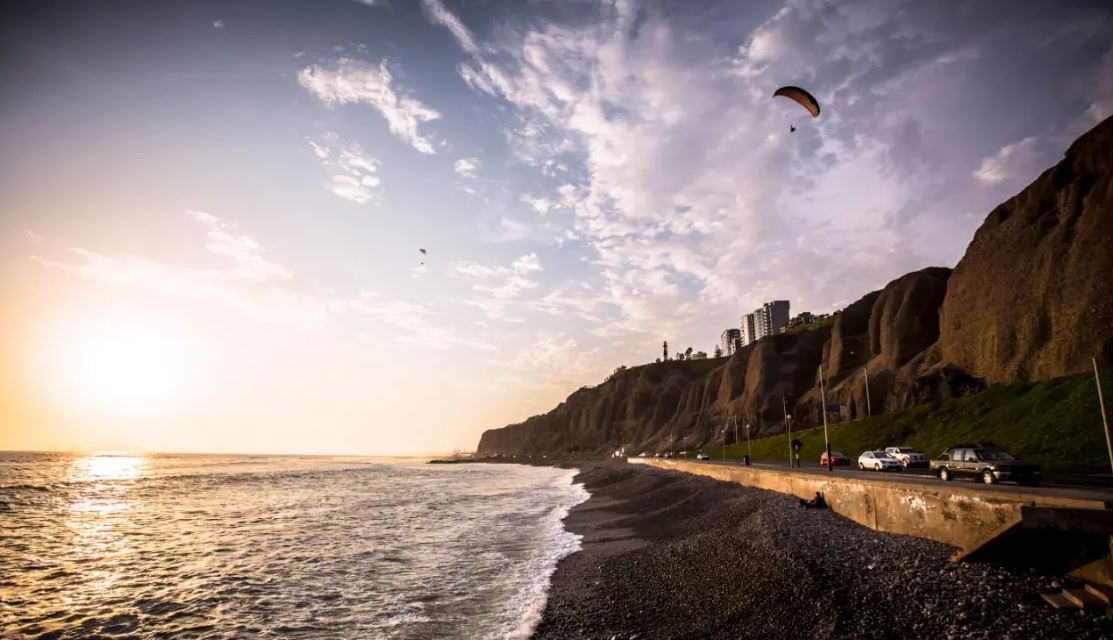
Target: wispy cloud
(555, 362)
(357, 178)
(249, 281)
(439, 14)
(354, 82)
(499, 286)
(218, 24)
(264, 289)
(1018, 161)
(417, 323)
(467, 167)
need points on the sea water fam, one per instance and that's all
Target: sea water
(184, 546)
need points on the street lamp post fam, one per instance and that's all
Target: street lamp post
(749, 457)
(1104, 418)
(788, 430)
(823, 400)
(866, 371)
(726, 429)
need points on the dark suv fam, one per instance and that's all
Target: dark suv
(986, 463)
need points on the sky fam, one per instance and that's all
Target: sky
(211, 213)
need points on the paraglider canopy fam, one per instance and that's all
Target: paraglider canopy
(422, 251)
(800, 96)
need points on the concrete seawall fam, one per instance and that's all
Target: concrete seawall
(966, 517)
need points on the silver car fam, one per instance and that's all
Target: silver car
(908, 456)
(878, 461)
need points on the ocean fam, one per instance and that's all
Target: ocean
(214, 546)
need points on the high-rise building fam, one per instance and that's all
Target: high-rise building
(748, 331)
(768, 319)
(729, 341)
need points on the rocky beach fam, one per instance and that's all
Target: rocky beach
(669, 555)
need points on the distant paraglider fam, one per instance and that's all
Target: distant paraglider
(801, 97)
(422, 253)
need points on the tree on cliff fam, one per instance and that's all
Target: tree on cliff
(665, 346)
(688, 353)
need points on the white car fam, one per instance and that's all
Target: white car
(878, 461)
(908, 456)
(703, 456)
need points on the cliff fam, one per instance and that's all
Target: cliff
(1033, 296)
(1031, 299)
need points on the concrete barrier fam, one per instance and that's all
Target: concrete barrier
(966, 517)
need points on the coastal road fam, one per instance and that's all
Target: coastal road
(1050, 487)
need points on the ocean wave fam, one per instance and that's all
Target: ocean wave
(299, 552)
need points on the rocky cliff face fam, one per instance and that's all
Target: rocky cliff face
(679, 405)
(1033, 296)
(1031, 299)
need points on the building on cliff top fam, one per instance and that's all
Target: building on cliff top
(768, 319)
(729, 341)
(748, 334)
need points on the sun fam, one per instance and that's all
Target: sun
(121, 367)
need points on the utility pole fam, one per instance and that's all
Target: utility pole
(726, 429)
(788, 430)
(1104, 417)
(866, 370)
(823, 399)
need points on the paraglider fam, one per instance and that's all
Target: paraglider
(801, 97)
(422, 253)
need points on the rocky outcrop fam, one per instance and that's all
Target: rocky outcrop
(883, 340)
(1031, 299)
(1033, 296)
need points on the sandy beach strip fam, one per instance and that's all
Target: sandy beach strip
(671, 555)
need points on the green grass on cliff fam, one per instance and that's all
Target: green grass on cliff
(1055, 423)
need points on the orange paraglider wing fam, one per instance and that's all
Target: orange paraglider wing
(800, 96)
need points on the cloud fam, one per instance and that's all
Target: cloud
(417, 323)
(218, 24)
(540, 204)
(499, 286)
(1016, 162)
(555, 361)
(437, 13)
(467, 167)
(248, 282)
(681, 179)
(353, 82)
(357, 178)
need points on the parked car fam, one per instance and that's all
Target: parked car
(702, 456)
(908, 456)
(878, 461)
(837, 458)
(989, 464)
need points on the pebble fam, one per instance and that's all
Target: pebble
(726, 562)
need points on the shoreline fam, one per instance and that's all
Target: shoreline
(670, 555)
